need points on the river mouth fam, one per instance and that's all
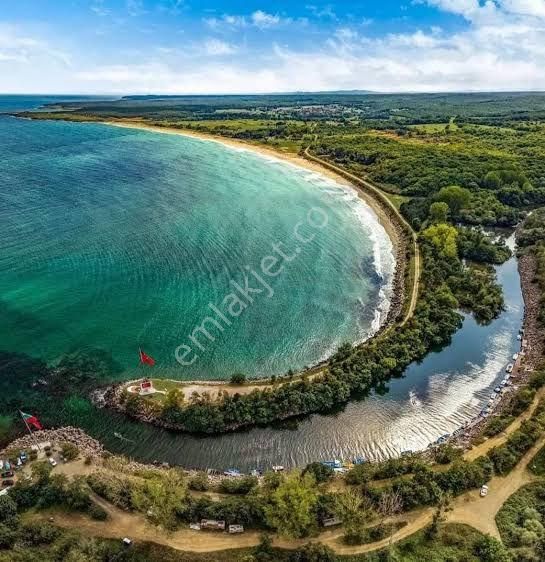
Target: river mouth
(436, 396)
(212, 260)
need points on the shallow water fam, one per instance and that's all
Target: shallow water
(118, 239)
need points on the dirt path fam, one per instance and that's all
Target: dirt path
(479, 512)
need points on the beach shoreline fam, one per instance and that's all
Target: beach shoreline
(294, 159)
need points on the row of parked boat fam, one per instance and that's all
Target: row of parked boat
(336, 464)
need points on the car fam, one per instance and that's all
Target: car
(484, 490)
(52, 461)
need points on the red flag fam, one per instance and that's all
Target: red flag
(146, 359)
(32, 420)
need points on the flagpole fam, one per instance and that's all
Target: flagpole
(29, 431)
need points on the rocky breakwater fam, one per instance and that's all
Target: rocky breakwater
(85, 443)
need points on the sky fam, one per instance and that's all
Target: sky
(219, 46)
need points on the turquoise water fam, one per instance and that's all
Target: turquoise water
(118, 239)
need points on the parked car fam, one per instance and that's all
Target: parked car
(52, 461)
(484, 491)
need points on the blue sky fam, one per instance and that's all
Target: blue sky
(213, 46)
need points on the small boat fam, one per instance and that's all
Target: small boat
(119, 436)
(278, 468)
(515, 356)
(336, 463)
(359, 460)
(503, 382)
(493, 396)
(233, 472)
(497, 389)
(519, 337)
(509, 368)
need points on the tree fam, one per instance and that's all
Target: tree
(174, 398)
(492, 181)
(8, 512)
(489, 549)
(291, 506)
(162, 497)
(238, 378)
(69, 451)
(444, 238)
(456, 197)
(321, 472)
(390, 504)
(439, 212)
(354, 511)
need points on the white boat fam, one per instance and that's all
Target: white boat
(509, 368)
(278, 468)
(497, 389)
(515, 356)
(519, 337)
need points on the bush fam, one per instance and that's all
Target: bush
(238, 378)
(238, 485)
(199, 482)
(497, 424)
(321, 472)
(445, 454)
(37, 533)
(8, 536)
(69, 451)
(97, 513)
(489, 549)
(313, 552)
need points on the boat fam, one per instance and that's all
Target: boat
(233, 472)
(359, 460)
(336, 463)
(515, 356)
(497, 389)
(519, 337)
(278, 468)
(509, 368)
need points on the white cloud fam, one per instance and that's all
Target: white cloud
(501, 47)
(215, 47)
(263, 19)
(259, 19)
(15, 45)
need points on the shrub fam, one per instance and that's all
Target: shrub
(238, 485)
(69, 451)
(199, 482)
(445, 454)
(97, 513)
(321, 472)
(238, 378)
(38, 533)
(8, 536)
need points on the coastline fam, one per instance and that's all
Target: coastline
(270, 153)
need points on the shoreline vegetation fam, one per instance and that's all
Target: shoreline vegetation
(446, 285)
